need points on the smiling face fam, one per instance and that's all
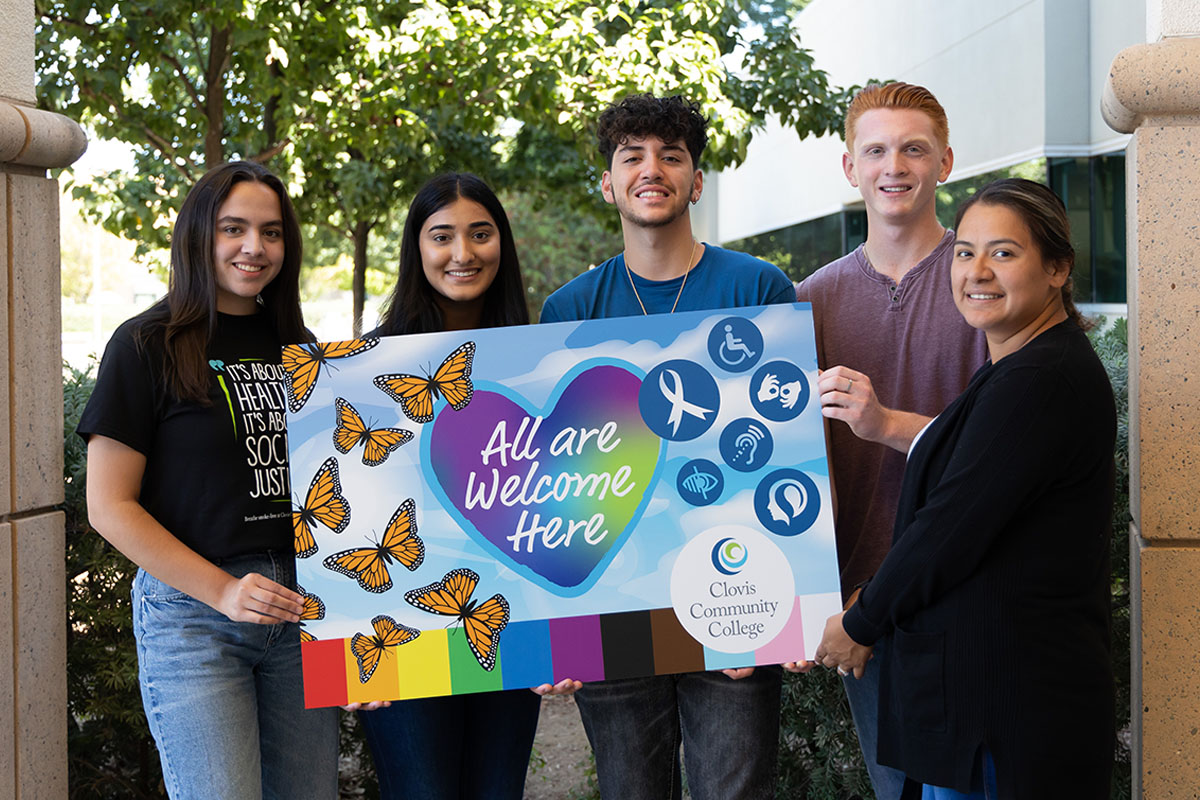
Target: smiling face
(247, 246)
(896, 162)
(651, 181)
(1001, 283)
(460, 254)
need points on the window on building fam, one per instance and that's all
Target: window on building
(1093, 190)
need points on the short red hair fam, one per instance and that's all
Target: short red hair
(901, 96)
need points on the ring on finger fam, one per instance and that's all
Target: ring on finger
(849, 385)
(843, 671)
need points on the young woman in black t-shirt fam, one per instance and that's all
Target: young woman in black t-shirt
(458, 270)
(187, 476)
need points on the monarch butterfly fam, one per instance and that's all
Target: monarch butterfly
(368, 649)
(452, 380)
(323, 503)
(303, 363)
(482, 621)
(369, 564)
(314, 608)
(378, 443)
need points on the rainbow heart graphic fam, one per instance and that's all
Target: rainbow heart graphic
(561, 491)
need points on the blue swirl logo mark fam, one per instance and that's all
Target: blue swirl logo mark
(729, 556)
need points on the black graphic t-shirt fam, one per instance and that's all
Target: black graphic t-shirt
(216, 477)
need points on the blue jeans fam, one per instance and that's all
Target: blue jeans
(863, 694)
(465, 747)
(224, 699)
(983, 784)
(729, 730)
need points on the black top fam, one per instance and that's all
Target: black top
(996, 590)
(216, 476)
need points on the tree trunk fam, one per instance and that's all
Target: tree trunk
(362, 230)
(214, 96)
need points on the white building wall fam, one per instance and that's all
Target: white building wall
(1019, 79)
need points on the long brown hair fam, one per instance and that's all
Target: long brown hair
(412, 307)
(187, 317)
(1046, 217)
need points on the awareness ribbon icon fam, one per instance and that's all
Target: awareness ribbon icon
(679, 406)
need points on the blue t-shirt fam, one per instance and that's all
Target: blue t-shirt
(722, 279)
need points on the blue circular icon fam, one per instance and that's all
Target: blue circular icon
(787, 502)
(735, 344)
(779, 390)
(700, 482)
(746, 444)
(679, 400)
(729, 556)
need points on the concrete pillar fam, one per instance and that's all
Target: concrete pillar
(1153, 92)
(33, 680)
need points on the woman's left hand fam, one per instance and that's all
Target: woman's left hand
(837, 649)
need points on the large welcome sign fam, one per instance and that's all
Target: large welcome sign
(497, 509)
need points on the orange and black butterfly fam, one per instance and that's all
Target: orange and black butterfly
(369, 649)
(482, 621)
(324, 504)
(378, 443)
(369, 564)
(451, 380)
(314, 609)
(303, 363)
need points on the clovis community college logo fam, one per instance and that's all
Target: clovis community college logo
(732, 589)
(729, 556)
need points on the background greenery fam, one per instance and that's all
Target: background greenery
(357, 104)
(111, 754)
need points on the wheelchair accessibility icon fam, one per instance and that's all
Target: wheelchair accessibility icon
(735, 344)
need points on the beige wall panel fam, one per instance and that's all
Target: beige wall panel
(7, 749)
(1170, 617)
(36, 329)
(6, 488)
(1168, 327)
(41, 656)
(16, 50)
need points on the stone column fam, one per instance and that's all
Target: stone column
(1153, 92)
(33, 617)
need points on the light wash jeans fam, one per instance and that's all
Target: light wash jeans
(225, 700)
(863, 694)
(729, 730)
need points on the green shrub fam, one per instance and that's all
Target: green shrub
(110, 751)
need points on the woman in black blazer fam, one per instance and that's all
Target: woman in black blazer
(995, 594)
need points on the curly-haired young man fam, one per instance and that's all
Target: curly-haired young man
(727, 722)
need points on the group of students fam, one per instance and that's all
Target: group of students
(970, 432)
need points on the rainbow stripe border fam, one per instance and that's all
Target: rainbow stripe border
(589, 648)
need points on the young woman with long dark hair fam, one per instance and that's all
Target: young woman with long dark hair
(187, 476)
(458, 270)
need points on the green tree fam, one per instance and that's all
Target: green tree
(358, 105)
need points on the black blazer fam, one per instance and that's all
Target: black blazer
(995, 594)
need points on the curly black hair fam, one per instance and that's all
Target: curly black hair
(668, 118)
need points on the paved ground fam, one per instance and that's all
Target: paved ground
(560, 753)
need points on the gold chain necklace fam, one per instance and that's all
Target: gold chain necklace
(687, 268)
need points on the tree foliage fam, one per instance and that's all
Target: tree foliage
(358, 104)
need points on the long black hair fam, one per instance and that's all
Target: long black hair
(412, 308)
(187, 317)
(1044, 214)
